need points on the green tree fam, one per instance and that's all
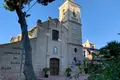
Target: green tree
(17, 6)
(111, 50)
(110, 56)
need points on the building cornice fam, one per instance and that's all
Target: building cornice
(75, 22)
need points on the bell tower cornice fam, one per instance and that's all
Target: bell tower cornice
(67, 2)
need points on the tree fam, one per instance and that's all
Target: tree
(111, 50)
(110, 59)
(18, 5)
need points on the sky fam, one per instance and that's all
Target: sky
(100, 20)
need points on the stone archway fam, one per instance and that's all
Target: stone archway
(54, 66)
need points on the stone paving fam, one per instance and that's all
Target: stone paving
(53, 78)
(82, 77)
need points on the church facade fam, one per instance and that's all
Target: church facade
(55, 43)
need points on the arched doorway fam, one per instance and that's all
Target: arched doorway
(54, 66)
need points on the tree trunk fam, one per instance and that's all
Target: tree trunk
(28, 67)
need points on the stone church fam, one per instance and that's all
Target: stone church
(55, 43)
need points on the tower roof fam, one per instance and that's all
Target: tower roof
(87, 41)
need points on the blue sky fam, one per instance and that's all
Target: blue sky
(100, 20)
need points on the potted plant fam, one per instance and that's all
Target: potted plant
(86, 70)
(45, 70)
(68, 70)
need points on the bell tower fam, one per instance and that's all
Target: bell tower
(69, 13)
(69, 10)
(70, 16)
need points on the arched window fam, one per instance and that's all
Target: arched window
(74, 14)
(55, 50)
(75, 50)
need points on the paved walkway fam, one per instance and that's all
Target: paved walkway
(56, 78)
(82, 77)
(53, 78)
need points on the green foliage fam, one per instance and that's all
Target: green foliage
(112, 49)
(94, 68)
(46, 69)
(68, 70)
(8, 8)
(94, 55)
(96, 77)
(45, 2)
(112, 70)
(11, 4)
(109, 69)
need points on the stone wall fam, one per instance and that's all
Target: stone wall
(10, 55)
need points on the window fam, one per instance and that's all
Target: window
(55, 35)
(84, 53)
(75, 50)
(63, 10)
(92, 46)
(74, 14)
(55, 50)
(63, 14)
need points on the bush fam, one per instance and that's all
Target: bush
(68, 70)
(46, 69)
